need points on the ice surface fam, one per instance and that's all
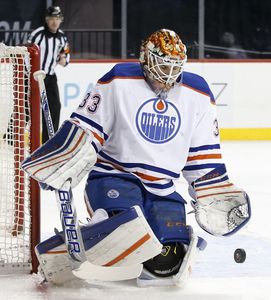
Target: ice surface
(215, 276)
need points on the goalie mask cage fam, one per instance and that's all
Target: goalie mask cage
(19, 136)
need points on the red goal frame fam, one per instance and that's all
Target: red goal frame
(21, 141)
(34, 52)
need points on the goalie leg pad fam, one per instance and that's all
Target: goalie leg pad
(148, 278)
(175, 244)
(125, 239)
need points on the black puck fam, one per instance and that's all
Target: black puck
(240, 255)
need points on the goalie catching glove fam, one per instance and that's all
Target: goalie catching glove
(220, 207)
(67, 155)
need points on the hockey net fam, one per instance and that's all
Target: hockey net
(19, 135)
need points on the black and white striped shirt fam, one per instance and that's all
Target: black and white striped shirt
(51, 45)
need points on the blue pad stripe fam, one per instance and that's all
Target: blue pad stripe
(56, 145)
(92, 234)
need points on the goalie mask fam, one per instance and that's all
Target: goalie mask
(162, 56)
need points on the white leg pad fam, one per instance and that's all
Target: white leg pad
(148, 279)
(131, 243)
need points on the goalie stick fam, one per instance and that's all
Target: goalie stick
(69, 221)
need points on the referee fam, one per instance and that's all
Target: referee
(54, 49)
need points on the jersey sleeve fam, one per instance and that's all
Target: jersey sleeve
(204, 153)
(96, 113)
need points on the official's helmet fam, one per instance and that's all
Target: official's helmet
(54, 11)
(162, 56)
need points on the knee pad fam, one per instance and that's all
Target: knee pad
(166, 216)
(167, 219)
(168, 262)
(112, 194)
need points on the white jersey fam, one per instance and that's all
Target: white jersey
(156, 140)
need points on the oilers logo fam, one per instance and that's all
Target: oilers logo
(158, 121)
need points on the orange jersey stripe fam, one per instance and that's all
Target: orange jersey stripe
(214, 187)
(99, 138)
(237, 192)
(204, 156)
(147, 177)
(141, 175)
(135, 246)
(117, 167)
(190, 87)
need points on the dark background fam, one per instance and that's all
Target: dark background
(93, 27)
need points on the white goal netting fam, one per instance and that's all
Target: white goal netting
(14, 147)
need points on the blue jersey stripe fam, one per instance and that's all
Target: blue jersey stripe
(105, 167)
(212, 182)
(90, 122)
(95, 147)
(199, 167)
(142, 166)
(205, 147)
(150, 185)
(159, 186)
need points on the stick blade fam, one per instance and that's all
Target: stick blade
(89, 271)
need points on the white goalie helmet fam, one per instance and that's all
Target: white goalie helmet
(162, 56)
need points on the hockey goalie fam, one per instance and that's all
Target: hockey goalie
(143, 126)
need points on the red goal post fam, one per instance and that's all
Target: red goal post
(19, 136)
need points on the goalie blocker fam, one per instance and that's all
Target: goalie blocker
(69, 154)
